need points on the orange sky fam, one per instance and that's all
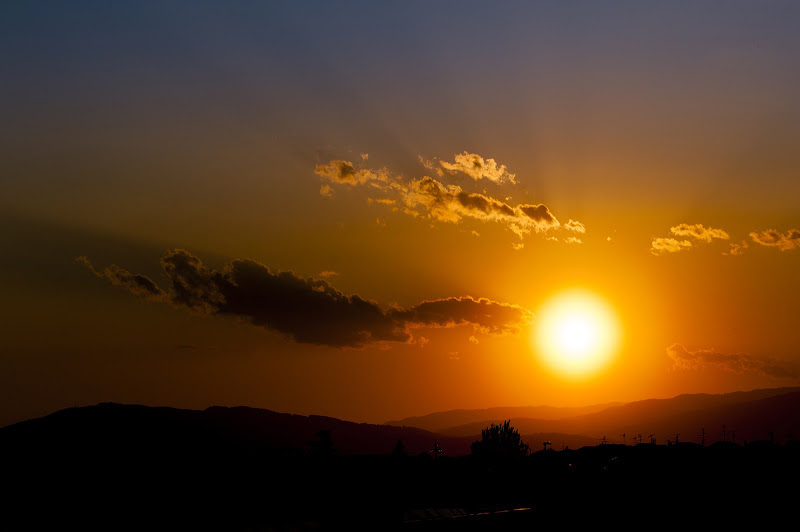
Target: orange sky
(437, 185)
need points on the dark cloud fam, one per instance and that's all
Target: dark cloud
(771, 237)
(307, 310)
(484, 314)
(346, 172)
(134, 283)
(734, 362)
(539, 213)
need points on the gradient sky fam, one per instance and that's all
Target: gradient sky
(645, 151)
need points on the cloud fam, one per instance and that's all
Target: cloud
(574, 226)
(433, 199)
(346, 172)
(136, 284)
(771, 237)
(306, 310)
(475, 167)
(483, 314)
(326, 190)
(699, 232)
(660, 246)
(450, 203)
(737, 249)
(327, 273)
(518, 246)
(381, 201)
(734, 362)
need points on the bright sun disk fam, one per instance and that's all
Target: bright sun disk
(576, 333)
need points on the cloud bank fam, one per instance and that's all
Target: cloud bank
(734, 362)
(305, 310)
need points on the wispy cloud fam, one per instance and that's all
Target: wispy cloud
(347, 173)
(472, 165)
(136, 284)
(737, 249)
(698, 232)
(659, 246)
(575, 227)
(306, 310)
(783, 241)
(683, 358)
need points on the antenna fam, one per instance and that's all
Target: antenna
(653, 439)
(603, 441)
(546, 443)
(724, 434)
(624, 439)
(676, 439)
(703, 436)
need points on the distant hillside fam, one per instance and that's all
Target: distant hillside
(752, 415)
(122, 427)
(441, 421)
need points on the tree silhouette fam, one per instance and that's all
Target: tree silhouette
(500, 443)
(399, 449)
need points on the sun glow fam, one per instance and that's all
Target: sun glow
(576, 333)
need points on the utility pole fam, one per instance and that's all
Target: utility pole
(436, 452)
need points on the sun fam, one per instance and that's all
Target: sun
(576, 333)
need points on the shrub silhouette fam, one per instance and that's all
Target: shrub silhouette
(500, 443)
(322, 447)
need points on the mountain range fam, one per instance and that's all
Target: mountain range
(740, 417)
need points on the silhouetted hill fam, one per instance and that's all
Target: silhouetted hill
(441, 421)
(139, 427)
(752, 415)
(114, 466)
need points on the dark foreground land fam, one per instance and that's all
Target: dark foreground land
(184, 477)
